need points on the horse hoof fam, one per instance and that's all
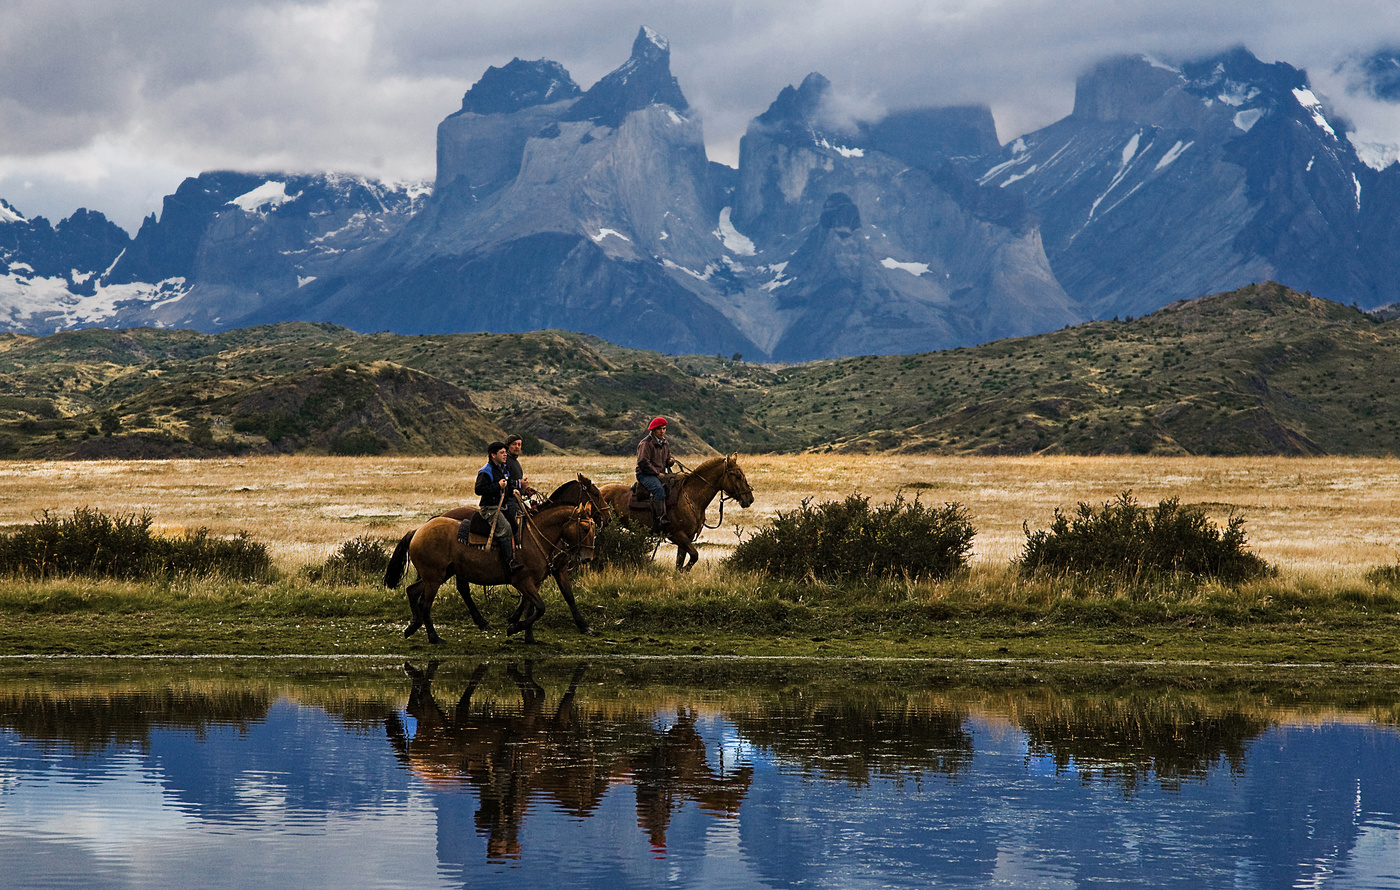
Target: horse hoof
(436, 641)
(512, 629)
(408, 632)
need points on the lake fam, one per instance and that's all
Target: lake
(694, 773)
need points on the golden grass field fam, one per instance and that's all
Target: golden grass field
(1328, 519)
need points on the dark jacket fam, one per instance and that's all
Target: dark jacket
(653, 457)
(488, 483)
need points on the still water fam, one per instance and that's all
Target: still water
(616, 774)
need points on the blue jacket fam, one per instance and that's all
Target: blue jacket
(488, 483)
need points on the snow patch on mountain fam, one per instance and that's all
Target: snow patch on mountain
(1313, 106)
(915, 269)
(1246, 119)
(603, 233)
(1173, 153)
(273, 193)
(43, 304)
(733, 240)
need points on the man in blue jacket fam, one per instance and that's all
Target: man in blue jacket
(494, 484)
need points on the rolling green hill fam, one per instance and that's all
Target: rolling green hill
(1260, 370)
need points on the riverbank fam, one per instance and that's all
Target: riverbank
(988, 613)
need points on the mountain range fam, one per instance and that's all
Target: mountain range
(597, 211)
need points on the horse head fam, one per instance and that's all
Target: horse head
(592, 496)
(734, 483)
(582, 530)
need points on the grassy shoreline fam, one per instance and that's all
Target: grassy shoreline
(988, 613)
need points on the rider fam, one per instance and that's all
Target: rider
(514, 445)
(494, 484)
(653, 459)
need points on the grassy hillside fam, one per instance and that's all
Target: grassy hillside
(1261, 370)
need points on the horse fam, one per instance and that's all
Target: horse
(697, 488)
(552, 538)
(576, 491)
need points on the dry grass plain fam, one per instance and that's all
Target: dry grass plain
(1326, 519)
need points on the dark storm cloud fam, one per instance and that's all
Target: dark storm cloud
(113, 96)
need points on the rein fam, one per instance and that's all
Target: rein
(723, 496)
(553, 549)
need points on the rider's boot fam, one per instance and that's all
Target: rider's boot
(505, 552)
(658, 509)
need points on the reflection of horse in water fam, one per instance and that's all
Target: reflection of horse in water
(565, 754)
(698, 488)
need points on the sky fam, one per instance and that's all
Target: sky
(109, 104)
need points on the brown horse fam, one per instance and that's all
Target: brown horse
(698, 488)
(576, 491)
(551, 539)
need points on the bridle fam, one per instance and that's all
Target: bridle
(553, 549)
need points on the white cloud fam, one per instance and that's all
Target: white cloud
(99, 101)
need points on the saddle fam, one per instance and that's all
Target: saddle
(476, 532)
(641, 498)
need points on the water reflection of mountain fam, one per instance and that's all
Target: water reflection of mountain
(566, 754)
(558, 774)
(220, 751)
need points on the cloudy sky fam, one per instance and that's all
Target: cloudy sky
(109, 104)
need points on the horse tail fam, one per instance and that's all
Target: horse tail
(398, 562)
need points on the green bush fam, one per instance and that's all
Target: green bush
(93, 543)
(1130, 541)
(358, 560)
(626, 547)
(842, 540)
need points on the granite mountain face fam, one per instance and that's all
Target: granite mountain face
(1169, 183)
(597, 211)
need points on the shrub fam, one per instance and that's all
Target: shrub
(841, 540)
(122, 546)
(358, 560)
(625, 547)
(1135, 542)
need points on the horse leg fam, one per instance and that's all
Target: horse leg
(566, 587)
(426, 611)
(415, 605)
(686, 554)
(464, 587)
(530, 593)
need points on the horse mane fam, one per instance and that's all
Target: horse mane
(708, 465)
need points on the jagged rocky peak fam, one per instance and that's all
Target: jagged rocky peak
(8, 213)
(520, 84)
(800, 106)
(1237, 77)
(1233, 88)
(644, 80)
